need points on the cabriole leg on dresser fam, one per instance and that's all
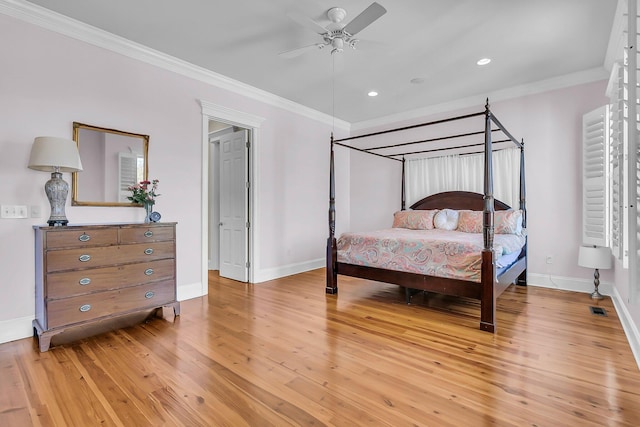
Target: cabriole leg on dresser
(169, 311)
(176, 308)
(44, 342)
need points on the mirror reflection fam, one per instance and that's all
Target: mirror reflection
(112, 160)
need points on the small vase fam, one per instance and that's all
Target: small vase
(148, 208)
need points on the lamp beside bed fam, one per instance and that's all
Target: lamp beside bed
(595, 257)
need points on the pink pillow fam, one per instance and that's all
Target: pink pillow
(414, 220)
(508, 222)
(470, 221)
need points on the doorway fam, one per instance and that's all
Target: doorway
(229, 201)
(228, 118)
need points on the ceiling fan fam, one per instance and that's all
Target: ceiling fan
(335, 35)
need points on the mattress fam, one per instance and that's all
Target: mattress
(441, 253)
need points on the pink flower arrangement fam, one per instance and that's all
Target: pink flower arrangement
(144, 193)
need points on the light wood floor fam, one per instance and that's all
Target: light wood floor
(285, 353)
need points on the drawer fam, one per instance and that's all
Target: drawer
(70, 259)
(74, 238)
(147, 234)
(70, 283)
(82, 308)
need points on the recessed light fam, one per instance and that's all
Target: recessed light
(417, 80)
(373, 93)
(483, 61)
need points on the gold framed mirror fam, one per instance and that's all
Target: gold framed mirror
(112, 161)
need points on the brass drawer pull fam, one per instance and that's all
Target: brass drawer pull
(84, 258)
(148, 233)
(84, 237)
(149, 295)
(148, 271)
(85, 308)
(148, 251)
(85, 281)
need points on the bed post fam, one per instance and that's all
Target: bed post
(403, 202)
(488, 302)
(332, 252)
(522, 278)
(523, 194)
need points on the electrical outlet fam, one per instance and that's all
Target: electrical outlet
(549, 259)
(14, 211)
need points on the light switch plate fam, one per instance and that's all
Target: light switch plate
(14, 211)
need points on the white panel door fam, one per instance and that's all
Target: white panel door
(234, 206)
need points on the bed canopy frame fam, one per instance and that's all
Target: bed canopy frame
(491, 285)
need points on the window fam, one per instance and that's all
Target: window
(623, 155)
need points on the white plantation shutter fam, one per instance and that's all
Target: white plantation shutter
(623, 91)
(632, 256)
(618, 113)
(129, 173)
(595, 170)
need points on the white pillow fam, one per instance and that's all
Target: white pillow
(446, 219)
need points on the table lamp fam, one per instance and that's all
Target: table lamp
(595, 257)
(55, 155)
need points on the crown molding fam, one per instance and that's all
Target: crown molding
(561, 82)
(70, 27)
(617, 40)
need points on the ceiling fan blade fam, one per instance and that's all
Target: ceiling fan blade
(307, 22)
(299, 51)
(360, 22)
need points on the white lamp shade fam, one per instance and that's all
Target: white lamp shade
(49, 153)
(594, 257)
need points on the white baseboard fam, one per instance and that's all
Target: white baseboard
(287, 270)
(191, 290)
(16, 329)
(630, 329)
(567, 283)
(586, 286)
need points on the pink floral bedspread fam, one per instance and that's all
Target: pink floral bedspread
(442, 253)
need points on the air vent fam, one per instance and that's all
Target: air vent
(598, 311)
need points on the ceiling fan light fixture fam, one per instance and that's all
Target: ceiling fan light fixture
(337, 44)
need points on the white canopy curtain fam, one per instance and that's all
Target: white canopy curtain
(424, 177)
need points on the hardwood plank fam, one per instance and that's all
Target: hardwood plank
(284, 352)
(14, 409)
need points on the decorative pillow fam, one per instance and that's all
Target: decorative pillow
(446, 219)
(470, 221)
(508, 222)
(414, 220)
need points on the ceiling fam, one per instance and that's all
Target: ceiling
(438, 41)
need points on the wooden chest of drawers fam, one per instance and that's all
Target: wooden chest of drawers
(92, 273)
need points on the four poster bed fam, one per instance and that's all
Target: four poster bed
(469, 260)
